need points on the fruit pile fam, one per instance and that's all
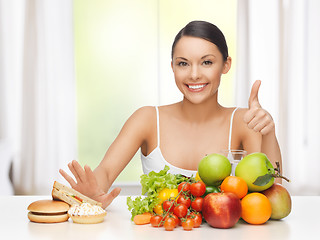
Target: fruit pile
(251, 194)
(213, 195)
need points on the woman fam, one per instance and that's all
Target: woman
(181, 134)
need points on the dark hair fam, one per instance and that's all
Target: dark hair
(204, 30)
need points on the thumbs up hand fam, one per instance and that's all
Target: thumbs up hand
(257, 118)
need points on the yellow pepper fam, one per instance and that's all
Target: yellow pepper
(167, 193)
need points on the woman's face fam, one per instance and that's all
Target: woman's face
(197, 65)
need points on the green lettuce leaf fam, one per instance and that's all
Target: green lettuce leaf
(152, 184)
(140, 205)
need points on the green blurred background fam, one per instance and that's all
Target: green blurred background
(122, 50)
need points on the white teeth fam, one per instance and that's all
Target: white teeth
(196, 86)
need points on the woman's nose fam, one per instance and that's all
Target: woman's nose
(195, 73)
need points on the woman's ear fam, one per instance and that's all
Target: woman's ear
(172, 66)
(227, 65)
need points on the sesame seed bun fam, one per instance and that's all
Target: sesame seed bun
(48, 211)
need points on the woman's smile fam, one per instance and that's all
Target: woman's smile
(196, 87)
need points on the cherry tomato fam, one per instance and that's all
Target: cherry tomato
(185, 186)
(169, 224)
(187, 224)
(198, 189)
(168, 205)
(181, 210)
(156, 220)
(173, 216)
(184, 200)
(197, 204)
(197, 219)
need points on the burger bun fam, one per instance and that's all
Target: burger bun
(48, 211)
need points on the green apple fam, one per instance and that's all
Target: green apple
(280, 200)
(253, 166)
(213, 168)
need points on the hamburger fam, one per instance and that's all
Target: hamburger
(48, 211)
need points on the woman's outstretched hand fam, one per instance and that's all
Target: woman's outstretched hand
(86, 183)
(256, 117)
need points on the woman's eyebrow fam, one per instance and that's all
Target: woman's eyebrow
(208, 55)
(181, 58)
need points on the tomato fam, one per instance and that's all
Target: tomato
(187, 224)
(184, 200)
(181, 210)
(169, 224)
(197, 219)
(211, 189)
(185, 187)
(156, 221)
(78, 198)
(173, 216)
(197, 204)
(167, 193)
(168, 205)
(158, 209)
(198, 189)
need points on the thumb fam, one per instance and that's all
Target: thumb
(108, 198)
(253, 99)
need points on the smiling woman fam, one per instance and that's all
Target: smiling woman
(191, 59)
(123, 63)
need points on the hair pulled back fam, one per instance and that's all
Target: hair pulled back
(204, 30)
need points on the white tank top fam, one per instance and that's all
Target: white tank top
(156, 162)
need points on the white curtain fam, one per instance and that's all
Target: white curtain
(278, 42)
(37, 90)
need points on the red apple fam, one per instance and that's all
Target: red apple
(280, 201)
(221, 210)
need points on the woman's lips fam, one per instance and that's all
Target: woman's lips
(196, 87)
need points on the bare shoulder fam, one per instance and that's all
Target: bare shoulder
(144, 112)
(239, 114)
(238, 119)
(143, 116)
(139, 127)
(250, 139)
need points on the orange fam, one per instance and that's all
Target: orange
(236, 185)
(256, 208)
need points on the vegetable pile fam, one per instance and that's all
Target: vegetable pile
(170, 200)
(152, 184)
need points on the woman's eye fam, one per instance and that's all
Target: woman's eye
(182, 64)
(207, 62)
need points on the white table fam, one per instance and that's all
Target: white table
(302, 223)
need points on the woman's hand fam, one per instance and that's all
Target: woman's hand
(256, 117)
(86, 183)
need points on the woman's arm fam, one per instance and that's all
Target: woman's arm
(131, 137)
(97, 183)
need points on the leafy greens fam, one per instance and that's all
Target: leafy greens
(152, 184)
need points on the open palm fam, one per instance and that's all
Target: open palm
(86, 183)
